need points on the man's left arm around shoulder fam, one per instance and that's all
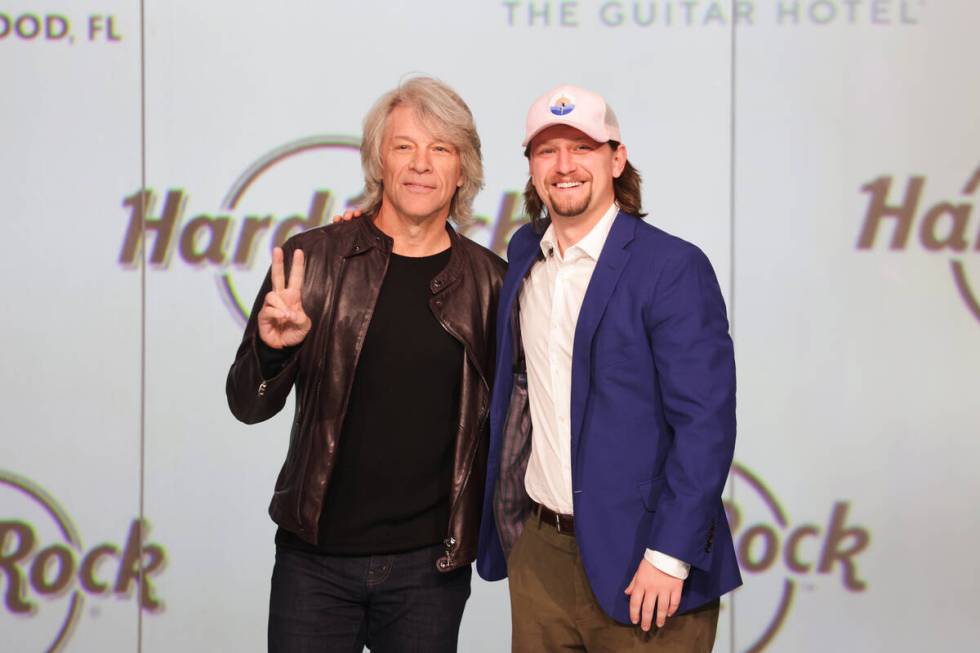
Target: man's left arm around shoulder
(688, 331)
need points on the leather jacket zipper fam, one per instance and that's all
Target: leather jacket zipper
(450, 542)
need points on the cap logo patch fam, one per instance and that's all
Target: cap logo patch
(562, 105)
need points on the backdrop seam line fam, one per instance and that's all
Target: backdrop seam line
(142, 425)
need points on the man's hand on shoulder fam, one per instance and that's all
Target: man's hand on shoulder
(653, 589)
(348, 215)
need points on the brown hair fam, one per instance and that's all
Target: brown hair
(445, 114)
(626, 188)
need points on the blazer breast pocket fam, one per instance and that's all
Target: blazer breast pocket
(650, 492)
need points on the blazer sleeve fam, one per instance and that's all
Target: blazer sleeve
(694, 359)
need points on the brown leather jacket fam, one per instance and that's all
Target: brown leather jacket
(345, 265)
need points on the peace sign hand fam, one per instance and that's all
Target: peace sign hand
(282, 321)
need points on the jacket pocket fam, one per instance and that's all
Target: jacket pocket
(650, 492)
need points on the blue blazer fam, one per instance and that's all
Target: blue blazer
(652, 417)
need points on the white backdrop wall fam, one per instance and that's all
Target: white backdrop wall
(825, 155)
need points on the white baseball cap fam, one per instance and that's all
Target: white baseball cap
(575, 107)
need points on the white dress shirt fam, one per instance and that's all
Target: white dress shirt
(551, 298)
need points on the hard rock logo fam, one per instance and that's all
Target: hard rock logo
(943, 228)
(314, 172)
(47, 572)
(779, 557)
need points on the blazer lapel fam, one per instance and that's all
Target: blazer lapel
(612, 261)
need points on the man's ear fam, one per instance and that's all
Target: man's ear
(619, 161)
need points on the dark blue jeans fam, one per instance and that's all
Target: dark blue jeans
(390, 603)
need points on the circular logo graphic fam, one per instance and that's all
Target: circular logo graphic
(319, 172)
(39, 558)
(962, 281)
(562, 105)
(778, 557)
(46, 573)
(757, 549)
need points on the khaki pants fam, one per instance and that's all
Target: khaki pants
(553, 608)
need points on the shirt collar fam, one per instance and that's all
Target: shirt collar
(591, 244)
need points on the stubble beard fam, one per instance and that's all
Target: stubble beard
(569, 208)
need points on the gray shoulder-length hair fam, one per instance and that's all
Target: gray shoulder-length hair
(445, 114)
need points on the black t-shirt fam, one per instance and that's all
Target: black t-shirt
(389, 491)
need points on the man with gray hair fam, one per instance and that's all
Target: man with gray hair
(385, 328)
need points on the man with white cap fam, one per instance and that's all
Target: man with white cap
(613, 411)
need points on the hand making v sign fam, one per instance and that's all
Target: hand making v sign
(282, 321)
